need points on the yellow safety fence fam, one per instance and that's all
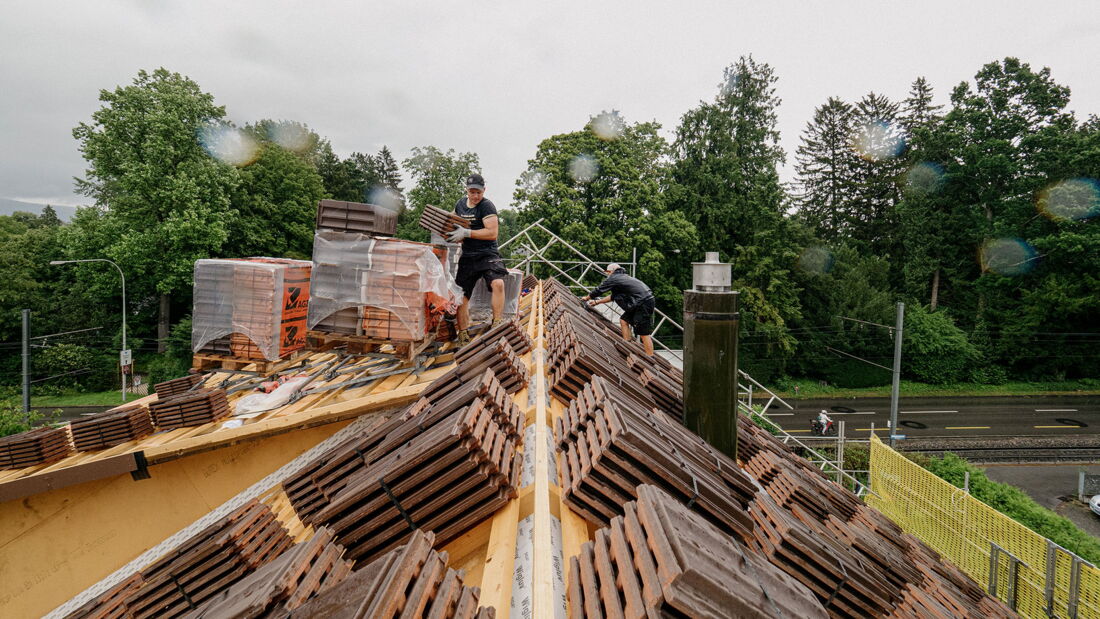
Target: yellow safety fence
(976, 537)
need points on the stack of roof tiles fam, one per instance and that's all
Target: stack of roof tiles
(34, 447)
(440, 221)
(250, 308)
(853, 560)
(177, 386)
(356, 217)
(447, 462)
(611, 444)
(412, 580)
(388, 280)
(282, 585)
(192, 408)
(661, 560)
(207, 563)
(113, 427)
(447, 478)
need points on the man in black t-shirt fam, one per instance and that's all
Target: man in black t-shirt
(480, 257)
(635, 299)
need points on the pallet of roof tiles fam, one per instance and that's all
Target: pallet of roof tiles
(190, 409)
(283, 584)
(208, 562)
(177, 386)
(109, 428)
(498, 356)
(412, 580)
(447, 479)
(441, 222)
(34, 447)
(618, 449)
(659, 559)
(356, 217)
(844, 583)
(311, 488)
(530, 282)
(110, 604)
(789, 484)
(509, 330)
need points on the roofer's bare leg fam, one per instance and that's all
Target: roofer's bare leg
(647, 342)
(625, 326)
(463, 316)
(498, 299)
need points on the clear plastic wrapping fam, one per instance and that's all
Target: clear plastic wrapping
(251, 308)
(376, 287)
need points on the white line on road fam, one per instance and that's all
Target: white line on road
(924, 412)
(1056, 410)
(859, 413)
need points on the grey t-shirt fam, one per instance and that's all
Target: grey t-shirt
(476, 217)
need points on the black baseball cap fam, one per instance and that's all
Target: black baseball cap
(475, 181)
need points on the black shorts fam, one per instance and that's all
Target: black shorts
(641, 316)
(473, 268)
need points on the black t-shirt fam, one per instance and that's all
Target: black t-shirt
(476, 216)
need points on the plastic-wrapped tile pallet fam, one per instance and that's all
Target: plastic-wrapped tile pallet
(481, 309)
(250, 308)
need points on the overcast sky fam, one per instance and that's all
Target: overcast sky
(495, 77)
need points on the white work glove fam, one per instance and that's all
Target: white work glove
(456, 235)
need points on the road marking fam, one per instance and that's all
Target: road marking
(1057, 426)
(924, 412)
(869, 429)
(966, 428)
(1056, 410)
(859, 413)
(793, 431)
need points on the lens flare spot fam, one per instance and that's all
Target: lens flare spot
(228, 144)
(583, 168)
(924, 178)
(1075, 199)
(385, 197)
(1008, 257)
(878, 141)
(816, 260)
(534, 182)
(290, 135)
(608, 126)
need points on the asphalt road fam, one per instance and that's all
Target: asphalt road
(1049, 416)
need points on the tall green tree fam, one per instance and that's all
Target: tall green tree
(147, 167)
(724, 181)
(878, 138)
(825, 165)
(440, 180)
(600, 189)
(275, 206)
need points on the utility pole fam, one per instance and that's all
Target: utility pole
(895, 385)
(26, 363)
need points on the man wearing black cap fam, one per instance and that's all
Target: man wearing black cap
(635, 299)
(480, 257)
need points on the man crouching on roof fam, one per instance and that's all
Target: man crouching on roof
(480, 256)
(635, 299)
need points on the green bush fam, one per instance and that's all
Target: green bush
(13, 420)
(936, 351)
(1012, 502)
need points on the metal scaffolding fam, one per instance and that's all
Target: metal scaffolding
(530, 252)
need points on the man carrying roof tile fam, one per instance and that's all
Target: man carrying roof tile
(635, 299)
(480, 256)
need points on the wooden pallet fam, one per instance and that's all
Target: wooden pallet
(206, 362)
(359, 344)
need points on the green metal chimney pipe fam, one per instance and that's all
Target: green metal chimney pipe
(711, 322)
